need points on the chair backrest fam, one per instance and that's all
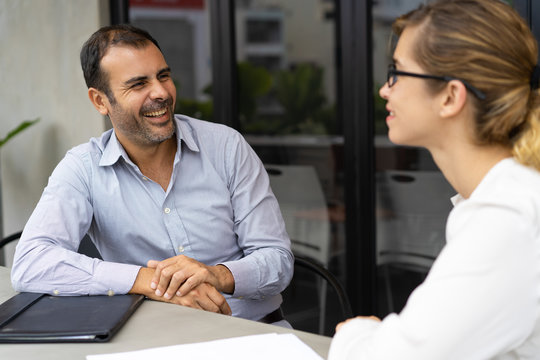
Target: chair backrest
(303, 206)
(10, 238)
(4, 261)
(315, 301)
(87, 247)
(414, 206)
(343, 299)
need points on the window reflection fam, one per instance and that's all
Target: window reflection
(286, 67)
(287, 75)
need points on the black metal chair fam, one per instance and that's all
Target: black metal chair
(297, 298)
(4, 242)
(10, 238)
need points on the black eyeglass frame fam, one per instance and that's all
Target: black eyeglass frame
(393, 73)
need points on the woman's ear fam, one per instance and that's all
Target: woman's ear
(99, 100)
(453, 99)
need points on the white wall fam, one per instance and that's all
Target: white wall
(40, 76)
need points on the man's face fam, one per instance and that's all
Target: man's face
(143, 92)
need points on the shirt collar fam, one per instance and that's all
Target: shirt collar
(185, 133)
(113, 150)
(492, 173)
(456, 199)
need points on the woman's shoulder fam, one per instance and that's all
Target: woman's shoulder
(510, 176)
(510, 184)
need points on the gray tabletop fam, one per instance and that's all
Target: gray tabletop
(153, 324)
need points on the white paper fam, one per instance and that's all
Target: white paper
(261, 347)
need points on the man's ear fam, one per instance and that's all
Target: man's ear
(453, 98)
(99, 100)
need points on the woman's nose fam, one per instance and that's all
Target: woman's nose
(384, 90)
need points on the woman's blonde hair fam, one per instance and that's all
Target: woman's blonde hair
(487, 44)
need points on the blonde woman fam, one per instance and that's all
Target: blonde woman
(464, 85)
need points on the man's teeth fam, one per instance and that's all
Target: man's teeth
(391, 113)
(156, 113)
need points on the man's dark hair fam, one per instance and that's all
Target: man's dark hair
(97, 45)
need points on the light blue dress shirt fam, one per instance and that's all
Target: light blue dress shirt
(218, 209)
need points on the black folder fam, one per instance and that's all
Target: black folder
(31, 317)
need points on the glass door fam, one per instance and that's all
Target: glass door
(286, 68)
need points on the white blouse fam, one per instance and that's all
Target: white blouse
(481, 299)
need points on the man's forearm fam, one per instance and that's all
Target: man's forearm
(40, 266)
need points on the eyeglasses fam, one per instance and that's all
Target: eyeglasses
(392, 78)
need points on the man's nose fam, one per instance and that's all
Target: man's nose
(158, 90)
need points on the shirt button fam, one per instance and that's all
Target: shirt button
(167, 210)
(181, 249)
(110, 292)
(56, 292)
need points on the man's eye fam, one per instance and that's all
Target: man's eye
(137, 85)
(164, 76)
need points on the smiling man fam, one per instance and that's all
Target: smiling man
(180, 209)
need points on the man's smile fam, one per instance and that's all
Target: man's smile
(155, 113)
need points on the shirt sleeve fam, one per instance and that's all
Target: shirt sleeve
(46, 258)
(267, 267)
(478, 301)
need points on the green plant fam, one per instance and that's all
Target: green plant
(203, 110)
(197, 109)
(254, 82)
(300, 92)
(22, 126)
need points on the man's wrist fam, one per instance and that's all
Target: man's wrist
(142, 282)
(225, 278)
